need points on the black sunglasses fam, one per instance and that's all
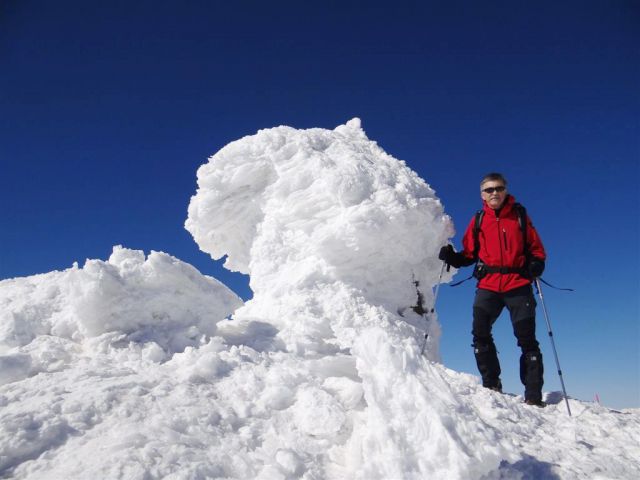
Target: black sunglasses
(494, 189)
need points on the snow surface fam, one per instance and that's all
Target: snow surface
(141, 367)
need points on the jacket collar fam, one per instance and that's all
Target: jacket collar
(507, 207)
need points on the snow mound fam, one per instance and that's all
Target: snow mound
(156, 299)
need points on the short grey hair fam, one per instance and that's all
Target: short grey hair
(492, 177)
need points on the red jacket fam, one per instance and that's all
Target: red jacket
(501, 245)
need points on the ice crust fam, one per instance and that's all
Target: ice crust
(141, 367)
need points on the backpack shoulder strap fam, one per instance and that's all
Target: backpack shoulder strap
(476, 233)
(522, 220)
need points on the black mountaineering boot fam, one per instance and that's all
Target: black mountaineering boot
(497, 388)
(531, 374)
(488, 365)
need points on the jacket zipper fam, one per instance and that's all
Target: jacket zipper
(506, 245)
(501, 257)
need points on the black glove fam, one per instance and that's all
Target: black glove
(535, 267)
(446, 253)
(453, 258)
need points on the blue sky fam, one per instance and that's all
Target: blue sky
(107, 110)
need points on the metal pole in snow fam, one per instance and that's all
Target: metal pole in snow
(553, 345)
(433, 308)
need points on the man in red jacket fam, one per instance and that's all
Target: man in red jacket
(505, 269)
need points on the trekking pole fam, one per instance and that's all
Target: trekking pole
(433, 307)
(555, 353)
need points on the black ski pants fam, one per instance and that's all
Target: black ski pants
(521, 304)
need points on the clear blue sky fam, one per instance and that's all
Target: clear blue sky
(108, 108)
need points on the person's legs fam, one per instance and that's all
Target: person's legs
(486, 309)
(522, 308)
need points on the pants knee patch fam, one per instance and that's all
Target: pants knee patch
(521, 308)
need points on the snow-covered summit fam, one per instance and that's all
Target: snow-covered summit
(141, 367)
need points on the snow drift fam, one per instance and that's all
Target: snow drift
(158, 299)
(144, 368)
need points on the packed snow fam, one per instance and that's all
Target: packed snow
(141, 367)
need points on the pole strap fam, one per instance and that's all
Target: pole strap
(556, 288)
(461, 281)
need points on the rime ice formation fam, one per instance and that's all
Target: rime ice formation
(141, 367)
(314, 216)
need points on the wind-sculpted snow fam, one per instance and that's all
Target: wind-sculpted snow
(295, 208)
(142, 368)
(316, 215)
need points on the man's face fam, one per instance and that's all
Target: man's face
(494, 193)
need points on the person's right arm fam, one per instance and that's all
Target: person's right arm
(463, 258)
